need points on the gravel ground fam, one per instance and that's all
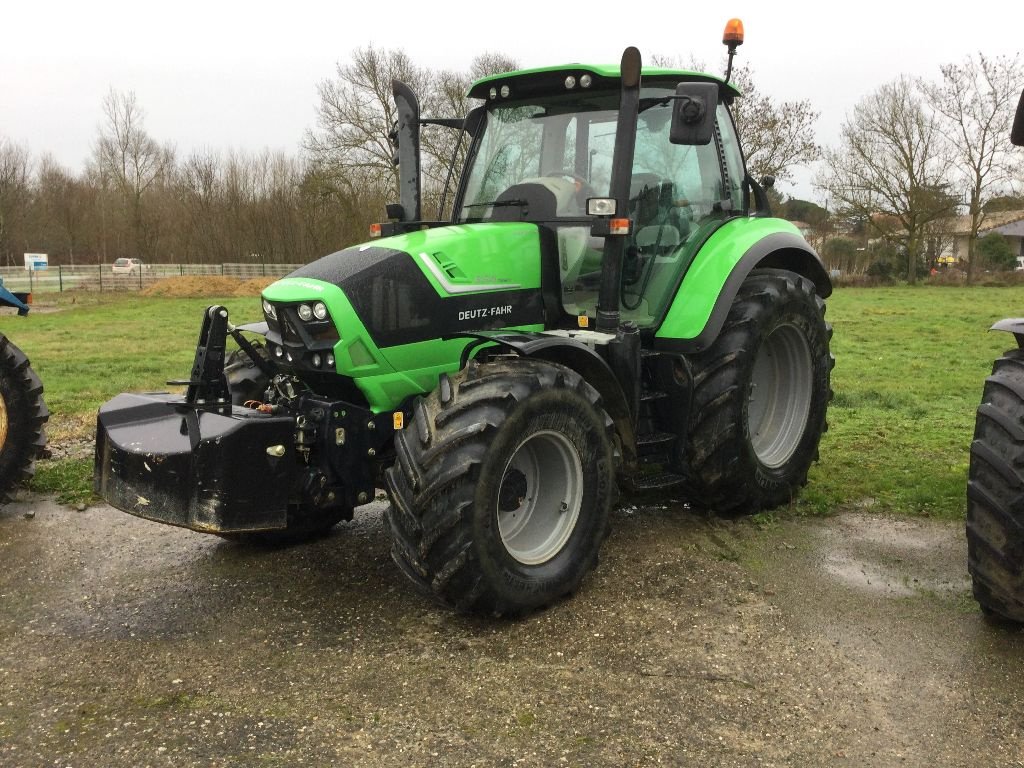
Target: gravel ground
(850, 640)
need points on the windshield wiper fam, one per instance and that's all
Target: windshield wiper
(495, 203)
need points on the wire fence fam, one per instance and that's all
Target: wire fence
(100, 277)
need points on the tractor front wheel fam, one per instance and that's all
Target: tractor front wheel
(760, 396)
(995, 493)
(502, 487)
(23, 415)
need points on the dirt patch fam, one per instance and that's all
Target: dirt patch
(845, 641)
(191, 287)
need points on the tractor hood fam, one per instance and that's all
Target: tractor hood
(394, 305)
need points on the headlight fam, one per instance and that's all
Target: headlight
(320, 310)
(305, 312)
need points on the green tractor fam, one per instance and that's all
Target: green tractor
(23, 412)
(995, 482)
(610, 306)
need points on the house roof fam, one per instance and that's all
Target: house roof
(961, 225)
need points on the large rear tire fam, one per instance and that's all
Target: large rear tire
(23, 415)
(995, 492)
(502, 487)
(760, 396)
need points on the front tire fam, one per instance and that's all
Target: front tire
(23, 415)
(502, 487)
(760, 396)
(995, 493)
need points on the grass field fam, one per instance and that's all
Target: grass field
(910, 366)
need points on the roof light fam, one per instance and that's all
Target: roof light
(375, 230)
(570, 82)
(320, 310)
(268, 310)
(493, 93)
(733, 34)
(585, 81)
(505, 91)
(305, 312)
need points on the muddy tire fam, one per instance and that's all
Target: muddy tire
(23, 415)
(502, 487)
(760, 397)
(995, 493)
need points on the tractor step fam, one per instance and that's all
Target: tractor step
(651, 443)
(659, 482)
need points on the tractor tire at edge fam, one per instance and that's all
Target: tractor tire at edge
(995, 493)
(23, 415)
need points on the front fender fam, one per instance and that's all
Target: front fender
(710, 285)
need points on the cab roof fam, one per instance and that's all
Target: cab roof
(550, 80)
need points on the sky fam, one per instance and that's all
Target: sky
(221, 75)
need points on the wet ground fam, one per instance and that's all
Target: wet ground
(850, 640)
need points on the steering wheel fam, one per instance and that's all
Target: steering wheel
(583, 187)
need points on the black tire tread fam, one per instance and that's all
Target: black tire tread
(27, 415)
(995, 492)
(717, 476)
(432, 483)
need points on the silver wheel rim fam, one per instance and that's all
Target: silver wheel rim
(539, 498)
(781, 387)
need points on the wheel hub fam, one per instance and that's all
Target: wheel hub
(3, 421)
(781, 388)
(540, 497)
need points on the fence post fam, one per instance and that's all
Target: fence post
(99, 268)
(60, 278)
(141, 267)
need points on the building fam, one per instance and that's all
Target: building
(957, 230)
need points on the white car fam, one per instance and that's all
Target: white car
(127, 266)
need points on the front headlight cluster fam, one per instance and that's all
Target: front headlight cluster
(317, 310)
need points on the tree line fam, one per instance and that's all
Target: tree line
(910, 154)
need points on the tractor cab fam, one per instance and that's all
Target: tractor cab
(546, 145)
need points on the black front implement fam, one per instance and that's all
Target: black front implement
(200, 463)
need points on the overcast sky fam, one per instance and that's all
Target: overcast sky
(243, 75)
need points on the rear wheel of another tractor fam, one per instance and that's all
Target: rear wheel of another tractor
(995, 493)
(760, 396)
(502, 487)
(23, 415)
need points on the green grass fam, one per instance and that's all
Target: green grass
(910, 367)
(96, 346)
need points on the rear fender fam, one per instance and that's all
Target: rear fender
(710, 285)
(1014, 325)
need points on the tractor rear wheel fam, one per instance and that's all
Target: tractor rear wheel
(23, 415)
(760, 396)
(502, 487)
(995, 493)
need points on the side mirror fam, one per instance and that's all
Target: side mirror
(1017, 132)
(693, 114)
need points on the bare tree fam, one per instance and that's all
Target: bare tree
(129, 157)
(66, 202)
(890, 164)
(355, 116)
(777, 136)
(975, 101)
(15, 194)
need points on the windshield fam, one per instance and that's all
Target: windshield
(562, 142)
